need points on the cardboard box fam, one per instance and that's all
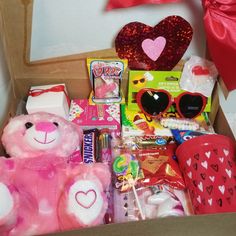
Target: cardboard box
(71, 70)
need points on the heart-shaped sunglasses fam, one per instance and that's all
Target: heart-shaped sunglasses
(154, 102)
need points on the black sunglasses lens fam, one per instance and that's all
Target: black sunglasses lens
(142, 80)
(190, 105)
(154, 103)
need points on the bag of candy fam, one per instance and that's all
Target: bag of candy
(159, 167)
(105, 76)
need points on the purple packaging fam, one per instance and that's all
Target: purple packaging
(181, 136)
(89, 147)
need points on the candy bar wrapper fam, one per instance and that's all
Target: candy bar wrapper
(181, 136)
(90, 146)
(49, 98)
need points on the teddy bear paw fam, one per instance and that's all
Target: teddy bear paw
(83, 204)
(85, 201)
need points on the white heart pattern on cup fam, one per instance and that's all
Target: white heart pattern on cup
(229, 172)
(210, 201)
(190, 175)
(199, 199)
(212, 178)
(189, 162)
(226, 152)
(222, 189)
(204, 164)
(208, 154)
(200, 186)
(221, 159)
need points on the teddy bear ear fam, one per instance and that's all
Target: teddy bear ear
(103, 173)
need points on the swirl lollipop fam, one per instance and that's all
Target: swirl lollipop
(127, 170)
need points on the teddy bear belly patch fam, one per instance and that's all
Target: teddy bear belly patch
(85, 201)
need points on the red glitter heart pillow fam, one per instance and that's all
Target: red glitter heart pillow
(154, 48)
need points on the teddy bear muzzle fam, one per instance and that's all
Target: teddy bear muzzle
(42, 135)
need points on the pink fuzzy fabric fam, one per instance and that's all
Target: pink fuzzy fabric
(15, 145)
(49, 192)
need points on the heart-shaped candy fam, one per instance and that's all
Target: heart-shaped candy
(154, 48)
(200, 70)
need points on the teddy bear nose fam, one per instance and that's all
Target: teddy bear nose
(45, 127)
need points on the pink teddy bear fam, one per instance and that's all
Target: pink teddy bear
(41, 191)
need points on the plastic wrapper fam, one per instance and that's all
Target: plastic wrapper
(199, 75)
(105, 76)
(159, 167)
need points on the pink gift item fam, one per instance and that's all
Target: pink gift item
(41, 189)
(209, 169)
(95, 116)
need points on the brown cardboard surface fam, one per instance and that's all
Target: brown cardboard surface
(214, 104)
(221, 125)
(223, 87)
(12, 104)
(208, 225)
(72, 70)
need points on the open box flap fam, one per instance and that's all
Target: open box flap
(16, 18)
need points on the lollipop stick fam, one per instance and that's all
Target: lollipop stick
(132, 183)
(138, 202)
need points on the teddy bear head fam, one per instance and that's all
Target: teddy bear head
(37, 134)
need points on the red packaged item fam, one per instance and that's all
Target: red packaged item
(113, 4)
(159, 167)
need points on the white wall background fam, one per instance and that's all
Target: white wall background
(4, 83)
(64, 27)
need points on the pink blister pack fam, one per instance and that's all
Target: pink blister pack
(95, 116)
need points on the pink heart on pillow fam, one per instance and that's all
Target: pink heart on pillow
(154, 48)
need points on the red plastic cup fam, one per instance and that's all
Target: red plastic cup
(209, 168)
